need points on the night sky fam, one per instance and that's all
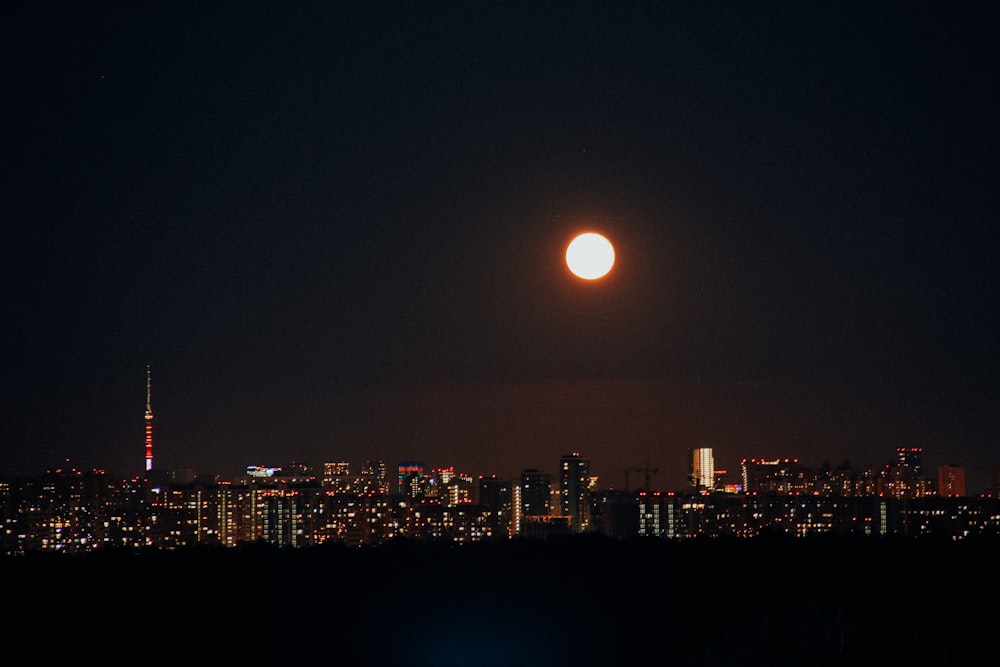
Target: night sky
(335, 231)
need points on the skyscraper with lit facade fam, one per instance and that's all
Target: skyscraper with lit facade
(536, 487)
(910, 462)
(410, 479)
(536, 506)
(574, 490)
(701, 472)
(374, 478)
(905, 478)
(496, 498)
(337, 477)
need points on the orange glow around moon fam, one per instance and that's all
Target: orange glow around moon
(590, 256)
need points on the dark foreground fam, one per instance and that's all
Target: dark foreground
(577, 601)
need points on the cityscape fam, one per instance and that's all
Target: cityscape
(297, 505)
(793, 565)
(301, 505)
(501, 334)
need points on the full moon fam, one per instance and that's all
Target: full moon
(590, 256)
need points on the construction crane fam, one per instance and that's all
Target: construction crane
(647, 471)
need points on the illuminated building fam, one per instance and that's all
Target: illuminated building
(653, 520)
(336, 469)
(451, 488)
(72, 511)
(702, 469)
(496, 498)
(951, 481)
(374, 478)
(410, 479)
(910, 462)
(535, 491)
(261, 472)
(574, 490)
(780, 476)
(904, 478)
(337, 477)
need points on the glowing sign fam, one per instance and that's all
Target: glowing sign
(262, 471)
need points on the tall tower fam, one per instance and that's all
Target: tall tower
(149, 420)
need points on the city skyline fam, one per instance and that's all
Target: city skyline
(340, 232)
(700, 471)
(982, 481)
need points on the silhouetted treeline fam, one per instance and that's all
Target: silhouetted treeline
(576, 600)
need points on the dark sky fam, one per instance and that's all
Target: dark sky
(335, 231)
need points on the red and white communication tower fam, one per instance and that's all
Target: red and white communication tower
(149, 421)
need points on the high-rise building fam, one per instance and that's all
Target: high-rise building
(951, 481)
(410, 479)
(496, 498)
(574, 490)
(337, 477)
(909, 461)
(374, 478)
(905, 478)
(536, 488)
(448, 487)
(702, 469)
